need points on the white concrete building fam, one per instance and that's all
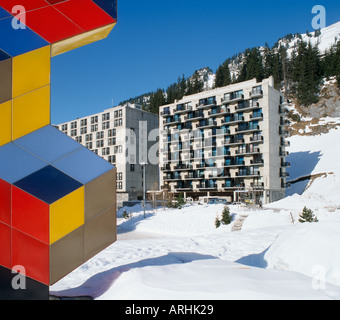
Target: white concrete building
(121, 135)
(227, 142)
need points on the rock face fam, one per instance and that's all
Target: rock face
(329, 104)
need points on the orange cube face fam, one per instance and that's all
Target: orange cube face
(51, 221)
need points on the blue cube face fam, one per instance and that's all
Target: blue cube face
(16, 163)
(4, 56)
(83, 165)
(48, 184)
(48, 144)
(18, 41)
(109, 6)
(4, 13)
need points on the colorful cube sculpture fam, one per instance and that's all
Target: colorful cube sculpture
(57, 198)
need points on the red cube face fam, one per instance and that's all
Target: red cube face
(5, 245)
(30, 215)
(32, 254)
(5, 202)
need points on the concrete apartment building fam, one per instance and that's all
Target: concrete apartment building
(227, 142)
(120, 135)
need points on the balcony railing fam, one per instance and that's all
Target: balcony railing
(194, 116)
(206, 103)
(207, 123)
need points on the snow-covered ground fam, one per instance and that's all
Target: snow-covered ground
(179, 254)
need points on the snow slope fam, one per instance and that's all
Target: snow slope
(179, 254)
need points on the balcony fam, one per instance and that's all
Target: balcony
(285, 164)
(206, 103)
(283, 132)
(248, 106)
(165, 113)
(247, 151)
(231, 184)
(205, 185)
(257, 139)
(172, 177)
(231, 141)
(166, 168)
(284, 174)
(232, 119)
(194, 176)
(193, 116)
(184, 185)
(207, 124)
(183, 167)
(219, 111)
(256, 93)
(183, 108)
(257, 185)
(283, 110)
(248, 173)
(285, 143)
(256, 116)
(172, 121)
(234, 163)
(233, 97)
(247, 128)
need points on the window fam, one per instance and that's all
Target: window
(73, 132)
(74, 125)
(83, 122)
(105, 125)
(88, 137)
(118, 149)
(94, 119)
(105, 151)
(257, 90)
(106, 116)
(100, 135)
(88, 145)
(79, 139)
(112, 133)
(118, 113)
(94, 128)
(118, 123)
(112, 141)
(119, 185)
(64, 127)
(111, 159)
(83, 130)
(100, 143)
(119, 176)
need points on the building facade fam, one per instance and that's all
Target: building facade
(121, 135)
(227, 142)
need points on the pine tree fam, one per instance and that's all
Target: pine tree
(223, 77)
(217, 222)
(226, 217)
(307, 216)
(255, 65)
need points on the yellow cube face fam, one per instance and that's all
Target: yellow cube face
(31, 71)
(5, 122)
(67, 214)
(31, 112)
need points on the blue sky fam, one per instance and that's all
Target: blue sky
(156, 41)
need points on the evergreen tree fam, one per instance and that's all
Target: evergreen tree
(307, 74)
(217, 222)
(307, 216)
(226, 216)
(255, 65)
(223, 77)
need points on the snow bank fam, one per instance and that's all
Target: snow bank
(310, 248)
(208, 278)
